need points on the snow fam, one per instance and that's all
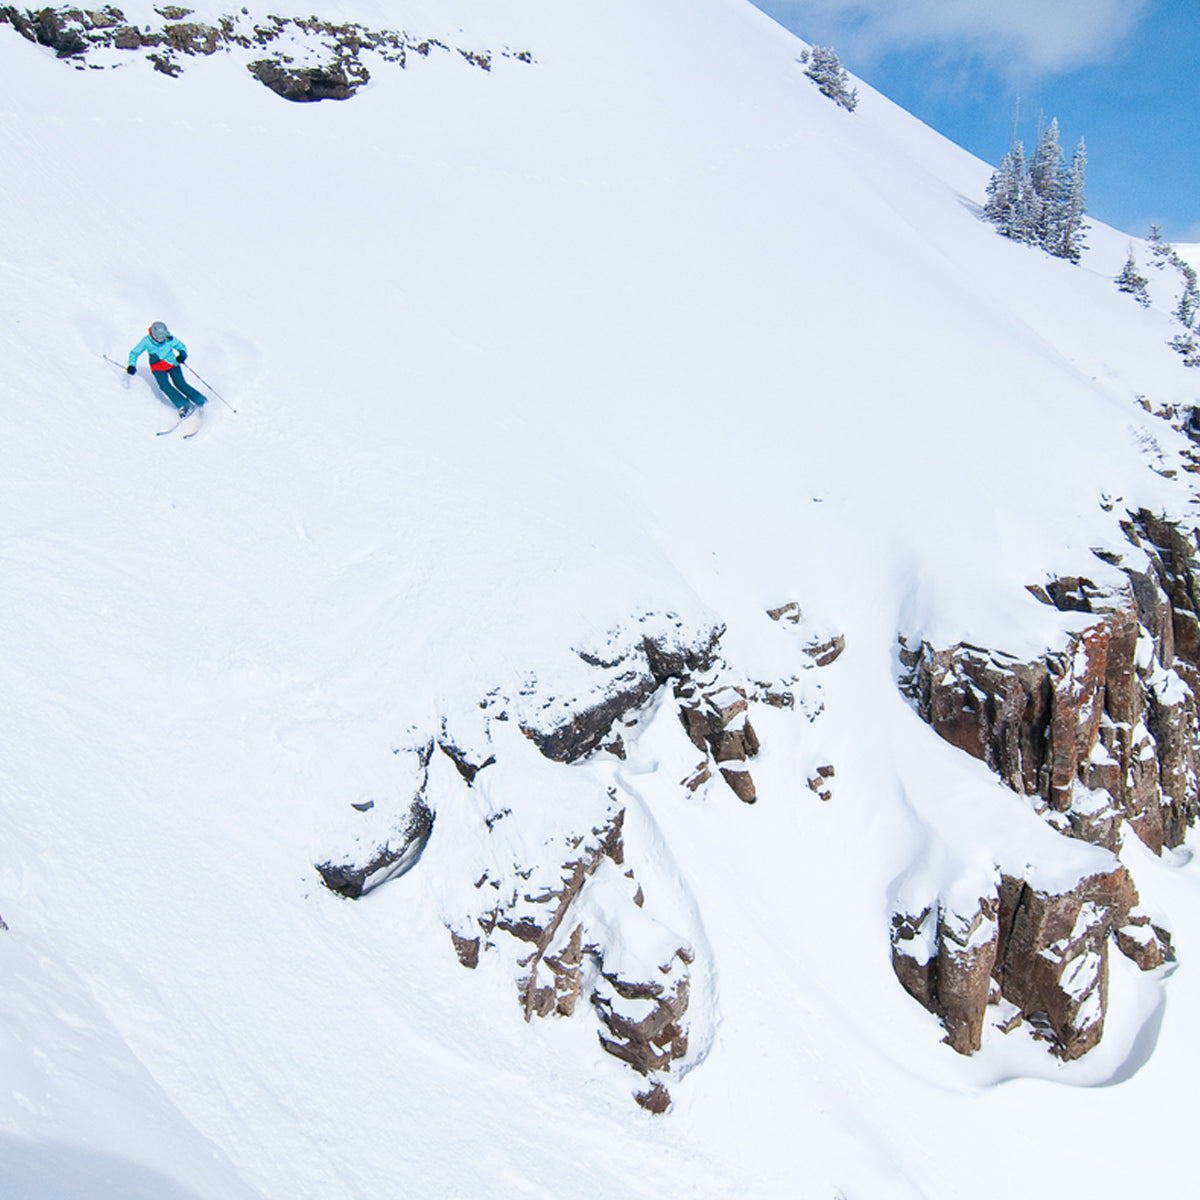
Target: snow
(646, 326)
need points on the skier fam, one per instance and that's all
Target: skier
(166, 353)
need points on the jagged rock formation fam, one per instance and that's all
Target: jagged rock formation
(1103, 732)
(717, 722)
(1045, 952)
(336, 53)
(570, 905)
(1109, 728)
(625, 673)
(572, 954)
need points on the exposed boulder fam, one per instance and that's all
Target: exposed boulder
(467, 949)
(374, 861)
(826, 651)
(306, 84)
(717, 722)
(1144, 943)
(1044, 952)
(193, 38)
(1053, 953)
(821, 781)
(383, 840)
(48, 27)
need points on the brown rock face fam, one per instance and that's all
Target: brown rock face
(1104, 731)
(306, 84)
(565, 908)
(717, 722)
(944, 960)
(644, 1019)
(632, 675)
(1047, 953)
(1053, 953)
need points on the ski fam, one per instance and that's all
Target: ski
(195, 429)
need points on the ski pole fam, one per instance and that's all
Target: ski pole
(211, 388)
(119, 367)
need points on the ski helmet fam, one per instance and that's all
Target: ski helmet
(159, 331)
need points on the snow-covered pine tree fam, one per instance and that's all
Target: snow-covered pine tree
(1163, 251)
(1189, 299)
(1032, 212)
(1133, 282)
(1005, 205)
(1188, 305)
(1185, 344)
(1042, 204)
(824, 68)
(1047, 173)
(1070, 243)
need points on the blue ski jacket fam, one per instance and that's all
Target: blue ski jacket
(163, 355)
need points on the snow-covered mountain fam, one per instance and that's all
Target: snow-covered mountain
(623, 432)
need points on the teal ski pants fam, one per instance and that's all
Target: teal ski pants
(177, 389)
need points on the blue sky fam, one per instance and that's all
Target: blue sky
(1122, 74)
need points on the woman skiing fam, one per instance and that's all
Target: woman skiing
(166, 353)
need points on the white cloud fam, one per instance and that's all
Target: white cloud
(1021, 38)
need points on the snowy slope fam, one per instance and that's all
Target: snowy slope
(643, 325)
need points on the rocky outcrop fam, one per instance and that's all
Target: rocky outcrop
(589, 940)
(718, 723)
(1100, 734)
(546, 880)
(47, 27)
(305, 84)
(1043, 951)
(340, 48)
(1053, 954)
(375, 860)
(822, 647)
(1104, 731)
(624, 673)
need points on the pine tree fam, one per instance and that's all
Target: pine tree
(1005, 206)
(1042, 204)
(1188, 304)
(832, 79)
(1031, 210)
(1132, 282)
(1189, 299)
(1047, 176)
(1073, 207)
(1163, 251)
